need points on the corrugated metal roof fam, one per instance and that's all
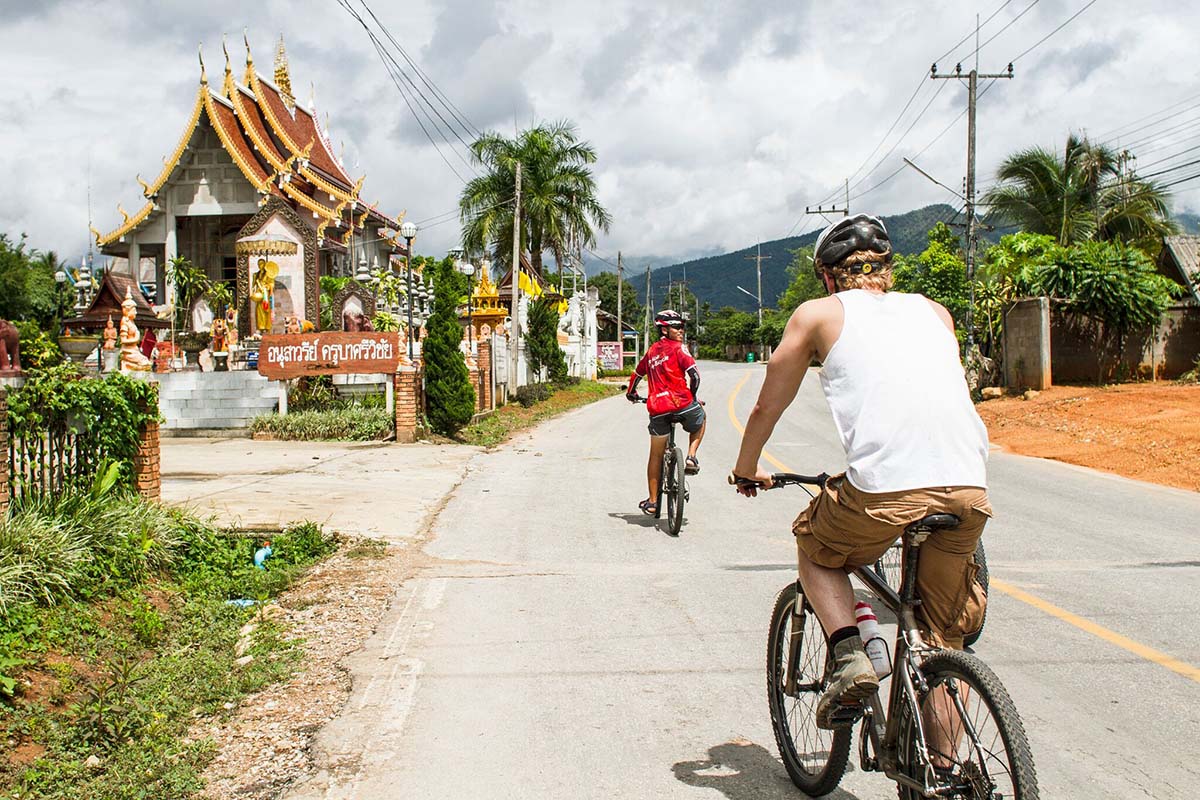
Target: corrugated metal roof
(1185, 253)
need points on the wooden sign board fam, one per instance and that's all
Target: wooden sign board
(328, 353)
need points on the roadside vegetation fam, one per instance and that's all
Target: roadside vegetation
(316, 412)
(542, 403)
(117, 633)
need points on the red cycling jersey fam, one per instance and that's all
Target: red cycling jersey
(665, 368)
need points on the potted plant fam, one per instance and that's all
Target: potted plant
(78, 347)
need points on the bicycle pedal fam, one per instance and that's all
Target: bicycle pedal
(843, 716)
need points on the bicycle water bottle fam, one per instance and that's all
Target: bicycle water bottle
(872, 638)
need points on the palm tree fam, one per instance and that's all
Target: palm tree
(1085, 194)
(558, 194)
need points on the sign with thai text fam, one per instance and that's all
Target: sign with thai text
(608, 354)
(328, 353)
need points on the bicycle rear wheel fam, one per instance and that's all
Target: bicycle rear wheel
(972, 731)
(675, 490)
(890, 565)
(815, 759)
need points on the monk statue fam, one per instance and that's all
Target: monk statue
(356, 322)
(132, 359)
(291, 325)
(110, 335)
(220, 336)
(262, 295)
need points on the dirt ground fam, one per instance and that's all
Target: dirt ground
(1147, 431)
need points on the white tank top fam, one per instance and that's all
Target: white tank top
(899, 397)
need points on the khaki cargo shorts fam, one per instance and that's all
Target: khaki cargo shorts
(844, 528)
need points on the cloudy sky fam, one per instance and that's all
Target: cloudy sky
(715, 122)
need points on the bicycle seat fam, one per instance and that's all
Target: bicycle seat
(934, 522)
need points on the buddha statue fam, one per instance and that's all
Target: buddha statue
(110, 335)
(132, 358)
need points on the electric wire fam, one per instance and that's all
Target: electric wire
(1039, 42)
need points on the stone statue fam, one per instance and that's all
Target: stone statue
(10, 347)
(291, 325)
(110, 335)
(262, 295)
(220, 336)
(202, 315)
(231, 336)
(132, 359)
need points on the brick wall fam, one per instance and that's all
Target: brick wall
(1027, 344)
(410, 403)
(483, 382)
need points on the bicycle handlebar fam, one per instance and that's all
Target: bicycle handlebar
(781, 479)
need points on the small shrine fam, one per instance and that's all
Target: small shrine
(485, 307)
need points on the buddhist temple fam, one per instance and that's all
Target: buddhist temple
(253, 174)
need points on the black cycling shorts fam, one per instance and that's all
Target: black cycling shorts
(690, 417)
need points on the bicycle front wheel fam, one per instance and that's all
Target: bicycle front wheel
(675, 490)
(973, 733)
(814, 758)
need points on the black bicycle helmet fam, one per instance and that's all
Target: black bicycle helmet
(668, 319)
(850, 235)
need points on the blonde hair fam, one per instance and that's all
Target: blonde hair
(879, 278)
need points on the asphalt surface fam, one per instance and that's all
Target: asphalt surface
(562, 645)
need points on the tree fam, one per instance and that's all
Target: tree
(542, 340)
(28, 290)
(804, 284)
(449, 396)
(939, 273)
(631, 309)
(558, 194)
(1084, 195)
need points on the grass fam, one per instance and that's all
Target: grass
(353, 423)
(507, 420)
(116, 636)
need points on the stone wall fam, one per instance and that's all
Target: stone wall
(1081, 352)
(191, 401)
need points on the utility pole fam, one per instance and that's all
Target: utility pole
(758, 258)
(516, 287)
(620, 319)
(649, 312)
(972, 86)
(833, 209)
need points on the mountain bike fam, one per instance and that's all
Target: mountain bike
(889, 564)
(672, 483)
(950, 729)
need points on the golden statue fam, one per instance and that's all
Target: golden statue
(262, 295)
(132, 359)
(110, 335)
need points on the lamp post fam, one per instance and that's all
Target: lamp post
(409, 231)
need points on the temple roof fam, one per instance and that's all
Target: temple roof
(107, 303)
(278, 146)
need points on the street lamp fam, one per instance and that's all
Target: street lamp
(468, 269)
(409, 231)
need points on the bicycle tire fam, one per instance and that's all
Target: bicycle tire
(982, 578)
(822, 770)
(1015, 768)
(888, 568)
(662, 483)
(675, 492)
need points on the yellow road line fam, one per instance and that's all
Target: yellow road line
(1099, 631)
(772, 460)
(1112, 637)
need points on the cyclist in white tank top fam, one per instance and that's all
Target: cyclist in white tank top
(914, 446)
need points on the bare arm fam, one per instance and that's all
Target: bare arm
(785, 371)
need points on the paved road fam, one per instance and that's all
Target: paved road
(562, 646)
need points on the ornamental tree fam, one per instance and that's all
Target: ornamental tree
(449, 396)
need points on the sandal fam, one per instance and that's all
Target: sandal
(648, 507)
(692, 466)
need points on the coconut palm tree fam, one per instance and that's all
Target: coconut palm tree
(1083, 195)
(558, 194)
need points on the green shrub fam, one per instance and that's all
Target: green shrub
(39, 349)
(613, 373)
(542, 341)
(711, 352)
(355, 423)
(533, 393)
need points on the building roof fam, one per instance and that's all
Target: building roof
(278, 146)
(107, 303)
(1183, 253)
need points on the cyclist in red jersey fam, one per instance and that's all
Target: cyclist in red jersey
(673, 381)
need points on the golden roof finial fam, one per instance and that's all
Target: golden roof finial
(123, 212)
(282, 79)
(225, 48)
(200, 53)
(145, 186)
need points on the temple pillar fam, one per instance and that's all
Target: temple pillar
(409, 403)
(166, 289)
(483, 380)
(135, 258)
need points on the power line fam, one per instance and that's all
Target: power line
(1114, 132)
(1068, 21)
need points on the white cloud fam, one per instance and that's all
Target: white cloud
(715, 122)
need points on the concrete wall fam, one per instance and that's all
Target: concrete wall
(210, 400)
(1027, 349)
(1081, 352)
